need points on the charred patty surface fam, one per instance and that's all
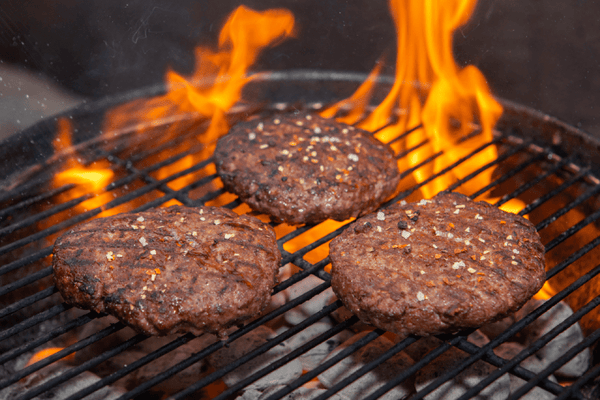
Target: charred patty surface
(302, 168)
(169, 270)
(437, 266)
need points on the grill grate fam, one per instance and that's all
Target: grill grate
(30, 224)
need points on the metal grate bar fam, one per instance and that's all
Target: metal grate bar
(575, 387)
(368, 338)
(133, 366)
(25, 281)
(580, 200)
(410, 370)
(23, 191)
(170, 193)
(402, 135)
(25, 222)
(46, 232)
(517, 326)
(290, 356)
(18, 305)
(572, 352)
(435, 176)
(32, 200)
(84, 319)
(297, 277)
(85, 365)
(36, 319)
(216, 346)
(177, 140)
(542, 199)
(573, 230)
(528, 185)
(81, 217)
(264, 348)
(47, 360)
(508, 175)
(301, 252)
(517, 370)
(402, 376)
(21, 262)
(572, 258)
(406, 152)
(290, 387)
(512, 151)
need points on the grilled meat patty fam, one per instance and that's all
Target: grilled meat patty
(301, 168)
(436, 266)
(169, 270)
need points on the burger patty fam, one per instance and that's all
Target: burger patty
(169, 270)
(436, 266)
(301, 168)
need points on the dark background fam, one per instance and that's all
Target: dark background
(57, 53)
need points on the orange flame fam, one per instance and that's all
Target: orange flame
(436, 93)
(546, 292)
(241, 39)
(92, 179)
(214, 87)
(45, 353)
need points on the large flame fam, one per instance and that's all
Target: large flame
(435, 92)
(210, 92)
(431, 90)
(87, 179)
(242, 38)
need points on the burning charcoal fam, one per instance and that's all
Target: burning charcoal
(478, 338)
(313, 357)
(508, 351)
(342, 314)
(133, 379)
(422, 346)
(311, 306)
(375, 378)
(279, 299)
(62, 391)
(455, 388)
(545, 323)
(103, 345)
(251, 394)
(302, 393)
(495, 329)
(246, 344)
(184, 378)
(563, 342)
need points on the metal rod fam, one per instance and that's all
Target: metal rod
(27, 301)
(75, 323)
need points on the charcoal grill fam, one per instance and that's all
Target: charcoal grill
(550, 166)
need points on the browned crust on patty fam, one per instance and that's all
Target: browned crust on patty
(169, 270)
(437, 266)
(302, 168)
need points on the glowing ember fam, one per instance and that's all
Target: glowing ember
(546, 292)
(433, 91)
(45, 353)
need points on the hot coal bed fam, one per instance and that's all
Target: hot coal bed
(548, 349)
